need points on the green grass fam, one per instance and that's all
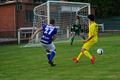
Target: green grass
(18, 63)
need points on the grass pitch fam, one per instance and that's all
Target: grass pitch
(18, 63)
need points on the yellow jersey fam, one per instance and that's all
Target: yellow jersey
(93, 31)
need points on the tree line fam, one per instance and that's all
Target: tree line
(104, 8)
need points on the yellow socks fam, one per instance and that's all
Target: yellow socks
(87, 54)
(80, 55)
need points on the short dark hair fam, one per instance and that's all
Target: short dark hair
(91, 17)
(52, 21)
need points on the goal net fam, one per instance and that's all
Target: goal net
(64, 15)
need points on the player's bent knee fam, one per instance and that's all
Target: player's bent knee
(83, 50)
(53, 50)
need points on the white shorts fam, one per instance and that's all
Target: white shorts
(50, 47)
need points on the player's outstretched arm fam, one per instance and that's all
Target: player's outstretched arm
(36, 32)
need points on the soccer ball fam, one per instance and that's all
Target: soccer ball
(100, 51)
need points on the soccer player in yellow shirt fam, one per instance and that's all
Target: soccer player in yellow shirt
(90, 41)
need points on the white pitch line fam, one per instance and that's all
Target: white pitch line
(39, 45)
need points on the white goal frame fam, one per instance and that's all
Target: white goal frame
(65, 8)
(66, 2)
(72, 8)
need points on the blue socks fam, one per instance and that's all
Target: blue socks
(48, 56)
(51, 56)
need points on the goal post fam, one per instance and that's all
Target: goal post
(64, 14)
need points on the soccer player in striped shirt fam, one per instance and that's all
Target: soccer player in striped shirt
(48, 35)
